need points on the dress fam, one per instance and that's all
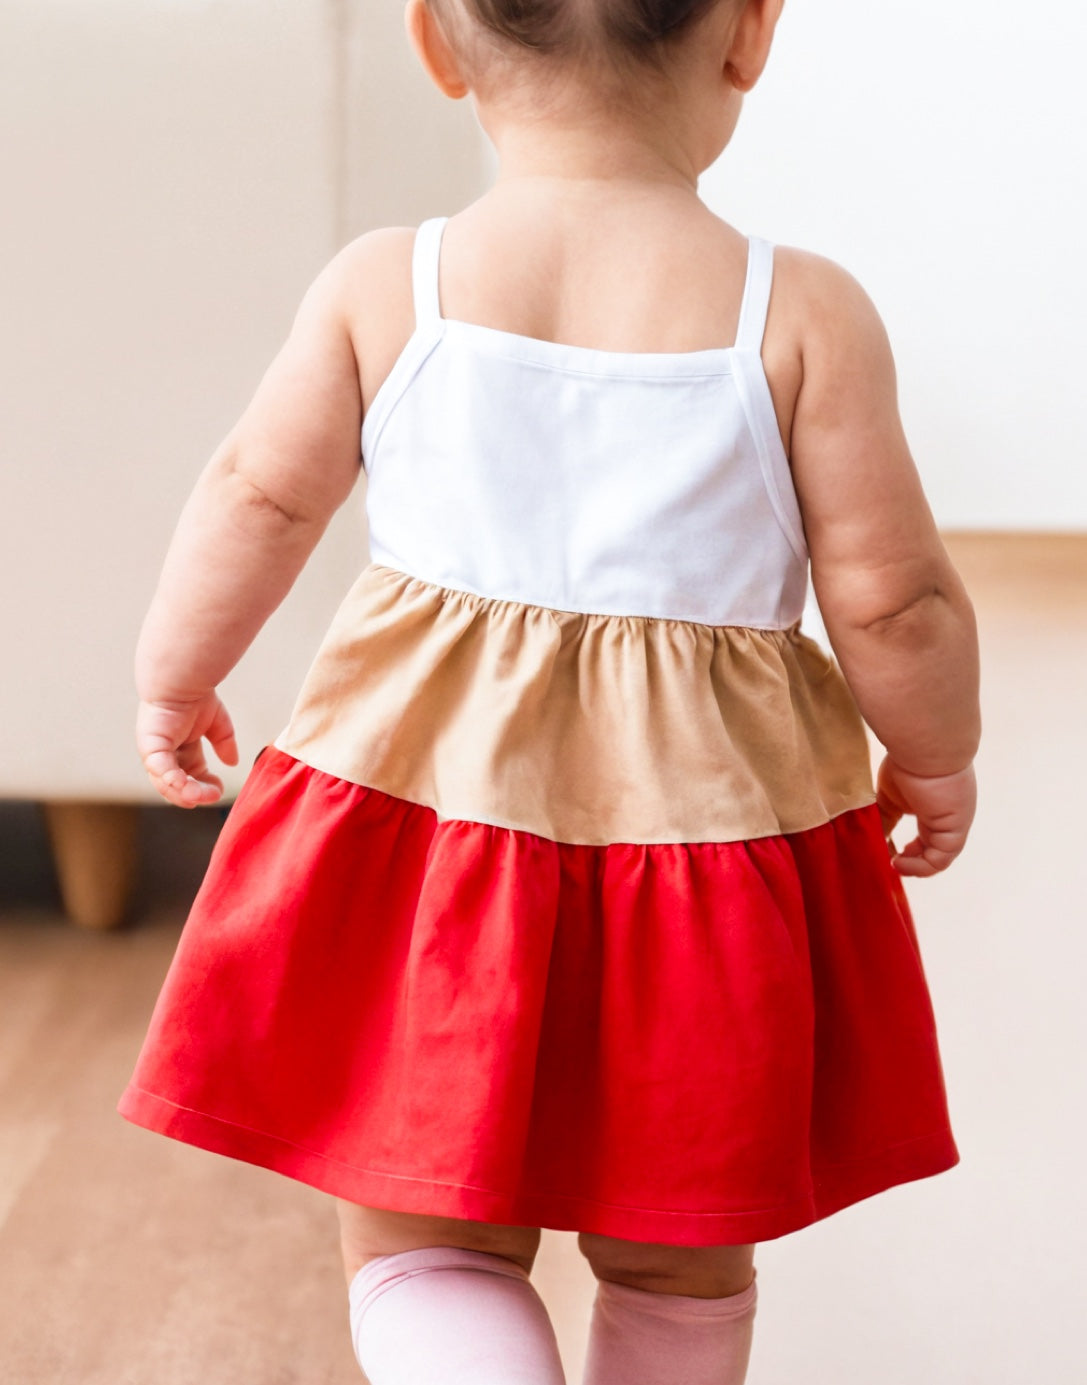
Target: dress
(563, 900)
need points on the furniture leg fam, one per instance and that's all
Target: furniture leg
(94, 849)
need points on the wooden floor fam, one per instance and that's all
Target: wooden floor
(127, 1258)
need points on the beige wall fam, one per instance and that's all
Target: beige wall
(173, 175)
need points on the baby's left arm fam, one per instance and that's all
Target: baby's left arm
(255, 515)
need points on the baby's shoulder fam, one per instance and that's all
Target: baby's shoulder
(818, 293)
(374, 270)
(373, 282)
(822, 333)
(378, 253)
(820, 306)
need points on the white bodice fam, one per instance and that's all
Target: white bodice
(620, 483)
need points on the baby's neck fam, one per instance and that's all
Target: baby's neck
(610, 152)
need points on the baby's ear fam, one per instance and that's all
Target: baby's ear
(434, 51)
(751, 40)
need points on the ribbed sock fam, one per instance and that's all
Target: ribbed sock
(642, 1338)
(454, 1317)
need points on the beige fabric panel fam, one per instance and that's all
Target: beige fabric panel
(581, 728)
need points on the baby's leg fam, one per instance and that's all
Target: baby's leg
(435, 1298)
(669, 1313)
(366, 1232)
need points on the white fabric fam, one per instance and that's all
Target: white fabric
(461, 1317)
(756, 301)
(623, 483)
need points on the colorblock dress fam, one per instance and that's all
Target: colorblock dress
(563, 900)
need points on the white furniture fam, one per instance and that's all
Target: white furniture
(180, 174)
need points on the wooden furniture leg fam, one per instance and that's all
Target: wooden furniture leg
(94, 850)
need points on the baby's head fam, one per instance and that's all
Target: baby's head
(609, 53)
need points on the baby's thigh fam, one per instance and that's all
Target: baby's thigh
(697, 1271)
(367, 1232)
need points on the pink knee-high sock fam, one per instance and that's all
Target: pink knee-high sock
(458, 1317)
(641, 1338)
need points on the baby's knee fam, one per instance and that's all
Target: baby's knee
(367, 1232)
(696, 1271)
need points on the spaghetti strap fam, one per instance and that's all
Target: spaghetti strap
(428, 245)
(760, 276)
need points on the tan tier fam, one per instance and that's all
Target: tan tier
(580, 728)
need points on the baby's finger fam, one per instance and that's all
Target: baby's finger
(163, 764)
(222, 736)
(193, 762)
(181, 776)
(198, 791)
(184, 791)
(923, 859)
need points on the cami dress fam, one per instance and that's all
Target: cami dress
(562, 899)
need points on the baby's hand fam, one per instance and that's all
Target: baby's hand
(943, 805)
(169, 737)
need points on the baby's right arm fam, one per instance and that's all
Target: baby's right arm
(258, 509)
(896, 611)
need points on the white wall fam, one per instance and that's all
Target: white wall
(938, 151)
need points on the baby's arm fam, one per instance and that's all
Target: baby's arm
(255, 515)
(896, 612)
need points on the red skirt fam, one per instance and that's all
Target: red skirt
(688, 1043)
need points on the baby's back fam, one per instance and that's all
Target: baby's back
(588, 477)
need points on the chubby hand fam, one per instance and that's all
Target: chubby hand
(169, 738)
(943, 805)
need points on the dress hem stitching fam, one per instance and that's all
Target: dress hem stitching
(937, 1137)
